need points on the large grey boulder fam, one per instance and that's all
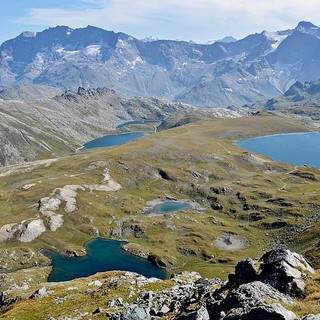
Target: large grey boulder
(200, 314)
(249, 300)
(285, 271)
(137, 313)
(49, 204)
(282, 269)
(246, 271)
(40, 293)
(31, 230)
(263, 312)
(311, 317)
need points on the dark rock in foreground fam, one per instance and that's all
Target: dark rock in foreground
(259, 289)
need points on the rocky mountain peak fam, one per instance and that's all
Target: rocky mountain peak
(218, 74)
(305, 25)
(308, 28)
(300, 91)
(227, 39)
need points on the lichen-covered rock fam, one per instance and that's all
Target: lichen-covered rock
(40, 293)
(49, 204)
(96, 165)
(311, 317)
(245, 299)
(55, 221)
(7, 232)
(138, 313)
(200, 314)
(31, 230)
(285, 271)
(68, 194)
(265, 312)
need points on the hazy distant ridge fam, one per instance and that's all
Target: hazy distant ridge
(257, 67)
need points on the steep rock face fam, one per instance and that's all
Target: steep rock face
(223, 73)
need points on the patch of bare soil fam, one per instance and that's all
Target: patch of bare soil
(231, 242)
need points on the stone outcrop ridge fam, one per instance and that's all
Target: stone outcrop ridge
(259, 289)
(48, 207)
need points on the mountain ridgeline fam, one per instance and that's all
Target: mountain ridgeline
(301, 99)
(37, 123)
(240, 72)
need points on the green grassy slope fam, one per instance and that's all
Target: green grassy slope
(249, 196)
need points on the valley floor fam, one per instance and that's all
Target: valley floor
(250, 202)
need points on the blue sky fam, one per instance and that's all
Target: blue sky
(198, 20)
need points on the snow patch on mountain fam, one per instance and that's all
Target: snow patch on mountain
(29, 34)
(92, 50)
(275, 38)
(133, 63)
(255, 67)
(67, 53)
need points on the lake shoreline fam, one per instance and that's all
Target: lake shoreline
(297, 148)
(136, 263)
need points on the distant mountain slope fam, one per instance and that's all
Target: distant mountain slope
(30, 129)
(220, 74)
(300, 99)
(30, 92)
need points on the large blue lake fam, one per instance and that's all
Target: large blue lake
(295, 148)
(102, 255)
(112, 140)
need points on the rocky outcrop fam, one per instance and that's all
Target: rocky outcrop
(25, 231)
(129, 296)
(285, 271)
(311, 317)
(28, 230)
(259, 289)
(31, 230)
(68, 194)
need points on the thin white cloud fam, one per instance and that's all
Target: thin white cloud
(193, 19)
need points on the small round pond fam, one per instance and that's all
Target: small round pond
(112, 140)
(102, 255)
(170, 207)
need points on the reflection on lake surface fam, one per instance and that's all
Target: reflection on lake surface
(295, 148)
(102, 255)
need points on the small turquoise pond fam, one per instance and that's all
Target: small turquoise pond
(112, 140)
(102, 255)
(295, 148)
(169, 207)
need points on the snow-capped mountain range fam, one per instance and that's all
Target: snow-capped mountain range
(240, 72)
